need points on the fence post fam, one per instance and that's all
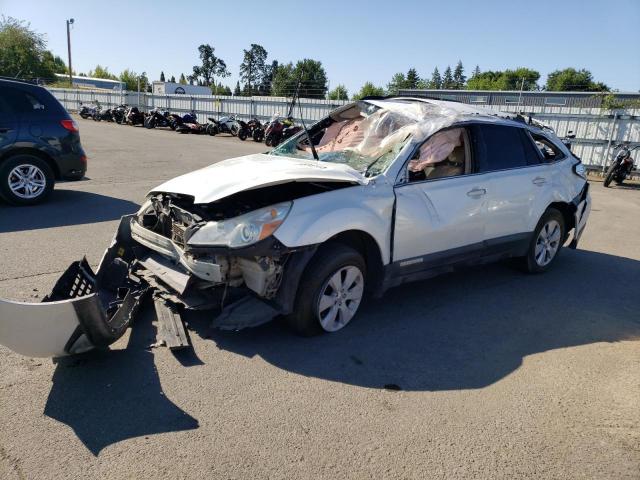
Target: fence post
(613, 128)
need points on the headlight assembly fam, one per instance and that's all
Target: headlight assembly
(243, 230)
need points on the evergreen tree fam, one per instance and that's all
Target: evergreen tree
(237, 92)
(162, 77)
(183, 79)
(476, 72)
(459, 78)
(436, 80)
(412, 79)
(173, 79)
(447, 79)
(397, 82)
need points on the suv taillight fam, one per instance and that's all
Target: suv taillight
(70, 125)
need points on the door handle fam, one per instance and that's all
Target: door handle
(539, 181)
(476, 192)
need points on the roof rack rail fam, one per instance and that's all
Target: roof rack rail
(19, 80)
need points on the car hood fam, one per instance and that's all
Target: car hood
(254, 171)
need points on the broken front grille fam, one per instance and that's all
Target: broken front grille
(177, 233)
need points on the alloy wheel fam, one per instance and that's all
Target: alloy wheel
(340, 297)
(27, 181)
(547, 243)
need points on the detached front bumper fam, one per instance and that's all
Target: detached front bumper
(84, 310)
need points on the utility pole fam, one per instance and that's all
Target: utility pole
(521, 88)
(69, 22)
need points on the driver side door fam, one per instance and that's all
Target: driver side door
(439, 220)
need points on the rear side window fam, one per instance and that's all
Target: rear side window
(19, 101)
(549, 151)
(498, 147)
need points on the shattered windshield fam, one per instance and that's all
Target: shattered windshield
(365, 136)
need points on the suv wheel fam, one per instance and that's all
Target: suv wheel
(546, 243)
(330, 292)
(25, 180)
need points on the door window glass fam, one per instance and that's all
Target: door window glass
(444, 154)
(498, 147)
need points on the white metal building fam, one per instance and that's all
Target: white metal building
(171, 88)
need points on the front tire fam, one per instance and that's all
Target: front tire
(610, 174)
(242, 134)
(25, 180)
(547, 241)
(330, 291)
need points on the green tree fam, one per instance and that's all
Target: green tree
(484, 81)
(102, 72)
(369, 90)
(339, 93)
(210, 68)
(459, 78)
(23, 51)
(220, 89)
(476, 71)
(237, 92)
(284, 81)
(54, 63)
(267, 78)
(397, 82)
(571, 79)
(130, 80)
(513, 79)
(172, 79)
(162, 77)
(312, 77)
(253, 67)
(183, 79)
(436, 80)
(447, 79)
(412, 79)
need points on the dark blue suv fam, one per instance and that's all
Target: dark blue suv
(39, 143)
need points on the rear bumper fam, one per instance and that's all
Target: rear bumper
(582, 210)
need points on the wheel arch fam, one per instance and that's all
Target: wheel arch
(36, 153)
(568, 211)
(365, 245)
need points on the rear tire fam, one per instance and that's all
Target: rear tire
(242, 134)
(33, 173)
(546, 242)
(330, 291)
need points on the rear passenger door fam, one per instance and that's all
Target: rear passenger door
(518, 181)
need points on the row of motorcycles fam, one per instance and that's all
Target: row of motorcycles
(272, 132)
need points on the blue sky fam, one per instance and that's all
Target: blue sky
(356, 41)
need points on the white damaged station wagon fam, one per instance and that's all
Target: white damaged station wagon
(379, 193)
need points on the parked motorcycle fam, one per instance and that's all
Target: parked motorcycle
(86, 112)
(279, 130)
(253, 128)
(157, 118)
(102, 115)
(621, 166)
(227, 124)
(119, 113)
(134, 116)
(190, 124)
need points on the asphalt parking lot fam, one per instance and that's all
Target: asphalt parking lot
(501, 375)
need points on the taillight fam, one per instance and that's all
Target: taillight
(70, 125)
(83, 159)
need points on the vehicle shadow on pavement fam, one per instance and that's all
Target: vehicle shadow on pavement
(64, 207)
(112, 395)
(461, 331)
